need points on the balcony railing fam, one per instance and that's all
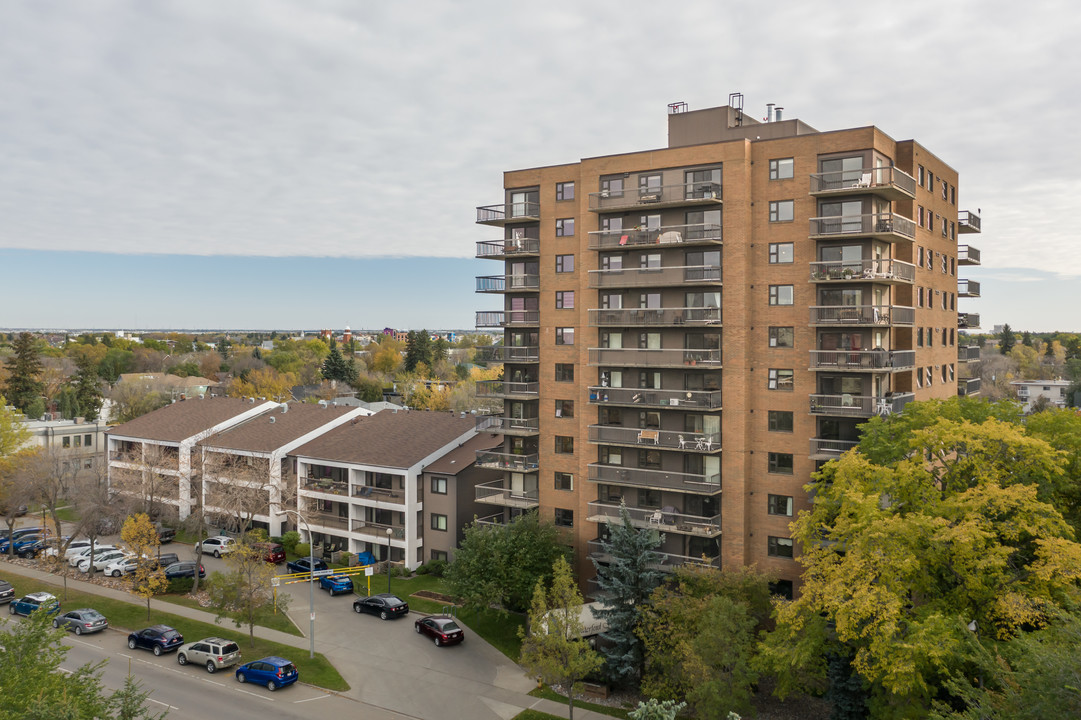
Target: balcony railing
(668, 561)
(968, 321)
(968, 353)
(508, 318)
(493, 493)
(862, 315)
(506, 389)
(493, 519)
(655, 357)
(652, 437)
(693, 234)
(829, 449)
(889, 182)
(326, 486)
(859, 405)
(500, 249)
(882, 270)
(367, 527)
(887, 226)
(968, 222)
(695, 193)
(652, 397)
(507, 425)
(655, 277)
(639, 317)
(372, 492)
(662, 479)
(968, 255)
(496, 460)
(509, 353)
(968, 288)
(507, 283)
(862, 360)
(327, 520)
(968, 386)
(661, 520)
(504, 213)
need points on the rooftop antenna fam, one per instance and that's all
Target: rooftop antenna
(735, 101)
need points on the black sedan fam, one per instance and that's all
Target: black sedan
(184, 570)
(441, 629)
(157, 639)
(384, 605)
(83, 620)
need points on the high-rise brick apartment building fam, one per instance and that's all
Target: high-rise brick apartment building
(694, 330)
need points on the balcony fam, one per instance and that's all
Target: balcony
(656, 479)
(327, 520)
(656, 277)
(862, 360)
(655, 317)
(506, 389)
(508, 426)
(656, 357)
(656, 398)
(509, 353)
(968, 288)
(495, 519)
(371, 492)
(859, 405)
(890, 227)
(968, 353)
(829, 449)
(886, 182)
(968, 222)
(655, 438)
(968, 255)
(503, 213)
(668, 561)
(656, 198)
(968, 321)
(508, 283)
(498, 460)
(503, 249)
(886, 270)
(379, 530)
(968, 386)
(493, 493)
(326, 486)
(674, 522)
(508, 318)
(683, 235)
(857, 315)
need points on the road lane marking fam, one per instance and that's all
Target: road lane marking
(248, 692)
(319, 697)
(167, 705)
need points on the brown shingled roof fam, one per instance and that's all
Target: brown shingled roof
(462, 457)
(389, 439)
(182, 420)
(272, 430)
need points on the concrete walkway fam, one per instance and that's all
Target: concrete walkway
(505, 705)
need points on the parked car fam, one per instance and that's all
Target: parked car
(53, 545)
(101, 560)
(7, 591)
(335, 584)
(84, 620)
(84, 553)
(384, 605)
(21, 536)
(29, 603)
(156, 638)
(300, 565)
(213, 652)
(29, 546)
(167, 559)
(183, 570)
(124, 566)
(273, 671)
(441, 629)
(165, 534)
(272, 552)
(218, 546)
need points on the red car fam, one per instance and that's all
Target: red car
(441, 629)
(272, 552)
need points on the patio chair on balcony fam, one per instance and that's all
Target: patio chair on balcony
(656, 518)
(864, 181)
(649, 435)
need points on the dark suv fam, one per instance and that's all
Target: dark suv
(184, 570)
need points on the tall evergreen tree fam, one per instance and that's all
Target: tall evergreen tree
(1026, 338)
(87, 387)
(24, 388)
(1006, 340)
(627, 582)
(335, 366)
(418, 349)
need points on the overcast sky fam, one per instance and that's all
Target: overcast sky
(254, 137)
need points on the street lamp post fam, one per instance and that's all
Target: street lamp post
(311, 578)
(390, 533)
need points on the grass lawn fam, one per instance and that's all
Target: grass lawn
(536, 715)
(68, 514)
(548, 694)
(274, 622)
(132, 616)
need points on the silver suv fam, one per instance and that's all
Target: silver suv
(213, 652)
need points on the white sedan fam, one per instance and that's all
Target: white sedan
(79, 555)
(100, 561)
(123, 566)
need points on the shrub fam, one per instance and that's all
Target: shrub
(258, 535)
(436, 567)
(180, 586)
(303, 549)
(290, 540)
(345, 558)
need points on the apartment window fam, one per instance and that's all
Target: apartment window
(919, 337)
(564, 263)
(780, 463)
(920, 175)
(565, 408)
(564, 336)
(88, 440)
(945, 301)
(780, 421)
(705, 183)
(928, 376)
(930, 180)
(782, 337)
(439, 485)
(780, 547)
(780, 253)
(565, 227)
(67, 441)
(564, 518)
(781, 211)
(565, 191)
(612, 187)
(953, 230)
(952, 337)
(930, 264)
(945, 371)
(564, 444)
(564, 481)
(945, 228)
(439, 522)
(611, 456)
(945, 190)
(781, 168)
(439, 555)
(564, 299)
(564, 372)
(919, 379)
(919, 297)
(919, 217)
(780, 505)
(953, 266)
(951, 372)
(781, 588)
(953, 301)
(780, 294)
(953, 195)
(919, 255)
(945, 337)
(780, 379)
(649, 186)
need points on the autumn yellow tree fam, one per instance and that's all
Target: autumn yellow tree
(266, 382)
(141, 537)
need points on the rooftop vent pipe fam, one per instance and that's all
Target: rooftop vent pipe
(769, 112)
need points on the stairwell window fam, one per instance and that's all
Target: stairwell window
(564, 263)
(565, 227)
(780, 463)
(564, 299)
(781, 253)
(780, 547)
(780, 295)
(780, 505)
(781, 379)
(781, 420)
(782, 337)
(564, 372)
(439, 522)
(564, 481)
(782, 211)
(781, 168)
(564, 444)
(564, 336)
(565, 191)
(564, 518)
